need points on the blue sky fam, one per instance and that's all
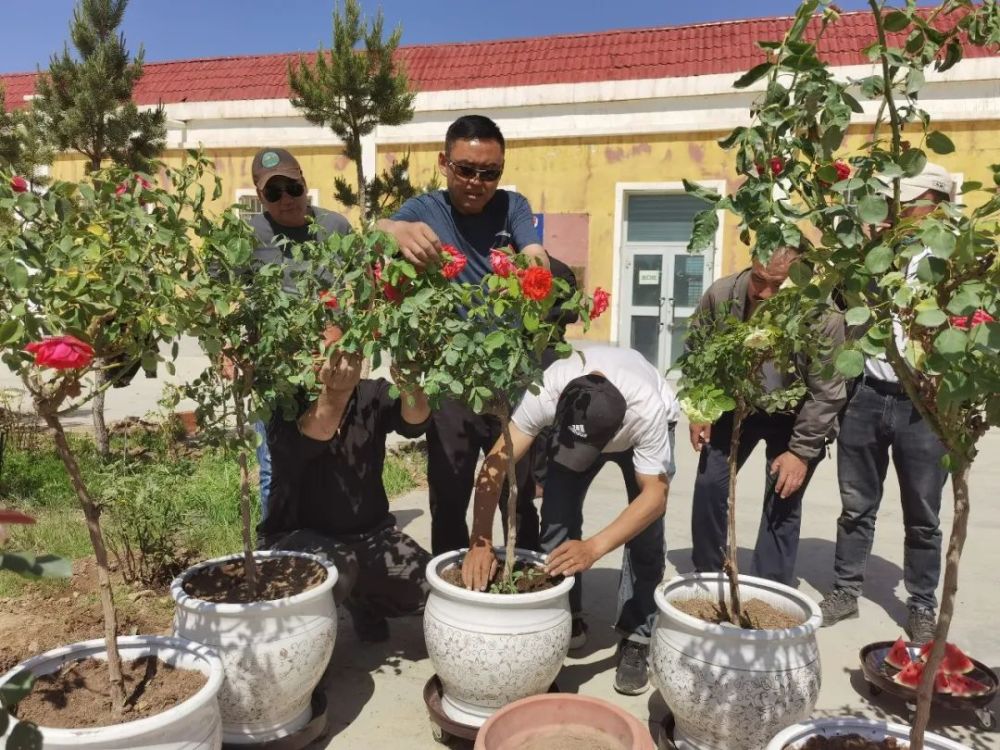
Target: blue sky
(172, 29)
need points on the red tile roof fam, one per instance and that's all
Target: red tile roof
(679, 51)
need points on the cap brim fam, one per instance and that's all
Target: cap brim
(290, 172)
(579, 456)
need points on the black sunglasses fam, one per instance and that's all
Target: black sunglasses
(467, 173)
(273, 193)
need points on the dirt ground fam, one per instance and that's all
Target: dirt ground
(49, 617)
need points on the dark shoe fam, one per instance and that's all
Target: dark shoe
(838, 605)
(578, 636)
(920, 624)
(632, 675)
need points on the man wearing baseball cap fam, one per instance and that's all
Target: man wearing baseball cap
(880, 417)
(604, 404)
(284, 198)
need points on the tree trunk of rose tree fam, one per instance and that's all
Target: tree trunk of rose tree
(92, 514)
(100, 428)
(959, 529)
(508, 563)
(730, 565)
(249, 564)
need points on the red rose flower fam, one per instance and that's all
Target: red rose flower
(536, 283)
(329, 299)
(777, 165)
(965, 323)
(124, 187)
(455, 263)
(377, 270)
(392, 293)
(843, 170)
(61, 352)
(501, 263)
(18, 184)
(601, 300)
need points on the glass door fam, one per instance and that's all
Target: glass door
(661, 288)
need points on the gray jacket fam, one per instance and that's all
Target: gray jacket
(816, 419)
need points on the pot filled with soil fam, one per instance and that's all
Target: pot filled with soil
(489, 648)
(274, 644)
(171, 689)
(563, 722)
(729, 686)
(854, 734)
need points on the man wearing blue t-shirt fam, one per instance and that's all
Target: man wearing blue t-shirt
(475, 217)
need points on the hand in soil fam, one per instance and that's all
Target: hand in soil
(479, 567)
(526, 578)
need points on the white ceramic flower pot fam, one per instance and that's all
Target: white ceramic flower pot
(194, 724)
(492, 649)
(795, 736)
(274, 652)
(728, 687)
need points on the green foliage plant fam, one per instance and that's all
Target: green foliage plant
(723, 371)
(931, 275)
(106, 265)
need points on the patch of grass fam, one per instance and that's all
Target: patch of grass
(201, 492)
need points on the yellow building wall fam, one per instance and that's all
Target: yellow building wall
(579, 175)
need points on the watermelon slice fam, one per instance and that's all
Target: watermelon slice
(954, 661)
(941, 683)
(899, 655)
(965, 687)
(910, 674)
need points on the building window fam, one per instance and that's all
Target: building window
(662, 217)
(249, 206)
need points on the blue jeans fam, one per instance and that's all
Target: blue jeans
(264, 464)
(873, 424)
(644, 558)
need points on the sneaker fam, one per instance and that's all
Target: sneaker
(920, 624)
(839, 604)
(578, 636)
(632, 675)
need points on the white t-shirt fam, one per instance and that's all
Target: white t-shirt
(650, 405)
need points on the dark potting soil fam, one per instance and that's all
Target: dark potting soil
(849, 742)
(78, 695)
(277, 578)
(757, 615)
(532, 578)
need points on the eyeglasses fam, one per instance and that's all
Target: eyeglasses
(273, 193)
(467, 172)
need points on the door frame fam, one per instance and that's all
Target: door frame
(713, 261)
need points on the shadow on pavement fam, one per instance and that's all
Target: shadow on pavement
(406, 516)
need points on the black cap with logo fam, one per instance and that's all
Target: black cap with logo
(590, 411)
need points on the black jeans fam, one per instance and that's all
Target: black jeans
(454, 440)
(873, 424)
(778, 536)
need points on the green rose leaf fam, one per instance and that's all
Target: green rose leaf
(850, 363)
(913, 162)
(873, 209)
(879, 259)
(753, 75)
(939, 239)
(939, 143)
(857, 315)
(896, 21)
(931, 318)
(706, 224)
(951, 343)
(25, 736)
(964, 302)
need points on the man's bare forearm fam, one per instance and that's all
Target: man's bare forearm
(322, 419)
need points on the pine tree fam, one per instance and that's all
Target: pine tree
(87, 101)
(352, 89)
(87, 105)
